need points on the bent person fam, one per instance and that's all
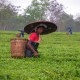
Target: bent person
(39, 28)
(33, 42)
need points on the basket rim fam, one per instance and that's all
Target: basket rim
(18, 39)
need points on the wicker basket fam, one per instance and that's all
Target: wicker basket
(18, 47)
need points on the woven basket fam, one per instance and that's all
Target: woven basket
(18, 47)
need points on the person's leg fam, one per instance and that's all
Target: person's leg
(71, 32)
(28, 53)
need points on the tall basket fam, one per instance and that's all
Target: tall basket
(18, 47)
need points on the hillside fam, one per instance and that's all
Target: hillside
(59, 59)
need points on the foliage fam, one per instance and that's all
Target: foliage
(44, 10)
(7, 14)
(49, 10)
(65, 22)
(59, 59)
(55, 11)
(37, 10)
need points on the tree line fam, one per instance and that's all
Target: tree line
(49, 10)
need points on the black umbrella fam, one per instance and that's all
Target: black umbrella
(49, 27)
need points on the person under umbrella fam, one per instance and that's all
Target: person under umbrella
(35, 30)
(69, 30)
(21, 33)
(33, 42)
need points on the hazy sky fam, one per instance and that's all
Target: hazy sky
(70, 6)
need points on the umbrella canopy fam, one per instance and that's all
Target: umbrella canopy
(49, 27)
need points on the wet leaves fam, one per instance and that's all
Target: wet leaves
(59, 59)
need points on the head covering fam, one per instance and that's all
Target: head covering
(40, 26)
(49, 27)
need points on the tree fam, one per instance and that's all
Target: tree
(44, 10)
(65, 22)
(77, 24)
(55, 11)
(36, 11)
(7, 11)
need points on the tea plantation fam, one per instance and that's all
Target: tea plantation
(59, 58)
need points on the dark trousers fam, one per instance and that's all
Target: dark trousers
(29, 52)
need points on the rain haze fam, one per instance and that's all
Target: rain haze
(70, 7)
(39, 42)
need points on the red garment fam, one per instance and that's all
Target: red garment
(34, 37)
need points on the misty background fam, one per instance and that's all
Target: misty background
(14, 17)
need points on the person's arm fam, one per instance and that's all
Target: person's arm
(40, 39)
(35, 53)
